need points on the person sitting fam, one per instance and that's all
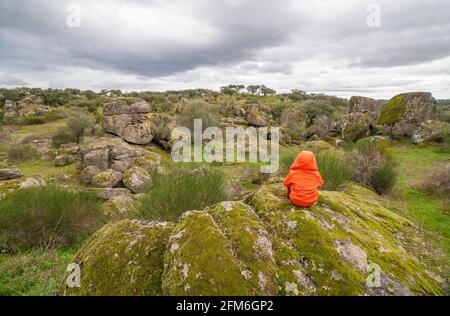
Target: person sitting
(303, 180)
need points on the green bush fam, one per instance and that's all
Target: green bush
(182, 190)
(197, 109)
(39, 119)
(373, 165)
(75, 128)
(20, 153)
(47, 216)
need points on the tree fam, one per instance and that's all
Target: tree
(267, 91)
(253, 89)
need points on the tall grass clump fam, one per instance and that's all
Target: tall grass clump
(181, 190)
(74, 130)
(47, 216)
(334, 168)
(20, 153)
(373, 165)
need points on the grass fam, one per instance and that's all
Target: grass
(182, 190)
(43, 130)
(47, 216)
(415, 163)
(39, 272)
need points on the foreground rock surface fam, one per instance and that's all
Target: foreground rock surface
(267, 247)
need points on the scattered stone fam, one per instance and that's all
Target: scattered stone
(107, 179)
(118, 207)
(430, 131)
(109, 193)
(137, 179)
(9, 174)
(88, 173)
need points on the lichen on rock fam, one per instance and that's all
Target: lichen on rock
(266, 246)
(124, 258)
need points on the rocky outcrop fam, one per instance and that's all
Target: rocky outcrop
(430, 131)
(368, 106)
(9, 174)
(403, 114)
(162, 126)
(356, 126)
(130, 122)
(67, 154)
(116, 157)
(347, 244)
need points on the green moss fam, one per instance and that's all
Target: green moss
(200, 260)
(125, 258)
(251, 242)
(392, 112)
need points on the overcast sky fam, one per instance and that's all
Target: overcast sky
(314, 45)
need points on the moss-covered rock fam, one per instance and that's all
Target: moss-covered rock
(125, 258)
(430, 131)
(119, 207)
(346, 244)
(201, 261)
(346, 234)
(404, 113)
(356, 126)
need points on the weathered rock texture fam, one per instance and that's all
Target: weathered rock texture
(430, 131)
(131, 122)
(368, 106)
(267, 247)
(405, 112)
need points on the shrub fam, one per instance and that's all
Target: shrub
(438, 182)
(373, 165)
(39, 119)
(182, 190)
(75, 128)
(197, 109)
(334, 168)
(20, 153)
(47, 216)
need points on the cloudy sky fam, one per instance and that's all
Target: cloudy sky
(315, 45)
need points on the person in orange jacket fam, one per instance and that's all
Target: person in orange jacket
(303, 180)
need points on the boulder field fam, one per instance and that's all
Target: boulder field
(347, 244)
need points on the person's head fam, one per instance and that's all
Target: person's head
(305, 161)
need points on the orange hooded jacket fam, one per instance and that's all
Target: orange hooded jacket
(303, 180)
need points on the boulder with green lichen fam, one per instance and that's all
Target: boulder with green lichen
(349, 243)
(405, 112)
(124, 258)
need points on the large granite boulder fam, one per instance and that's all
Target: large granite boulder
(130, 122)
(356, 126)
(368, 106)
(403, 114)
(101, 154)
(347, 244)
(107, 179)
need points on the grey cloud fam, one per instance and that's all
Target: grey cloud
(249, 39)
